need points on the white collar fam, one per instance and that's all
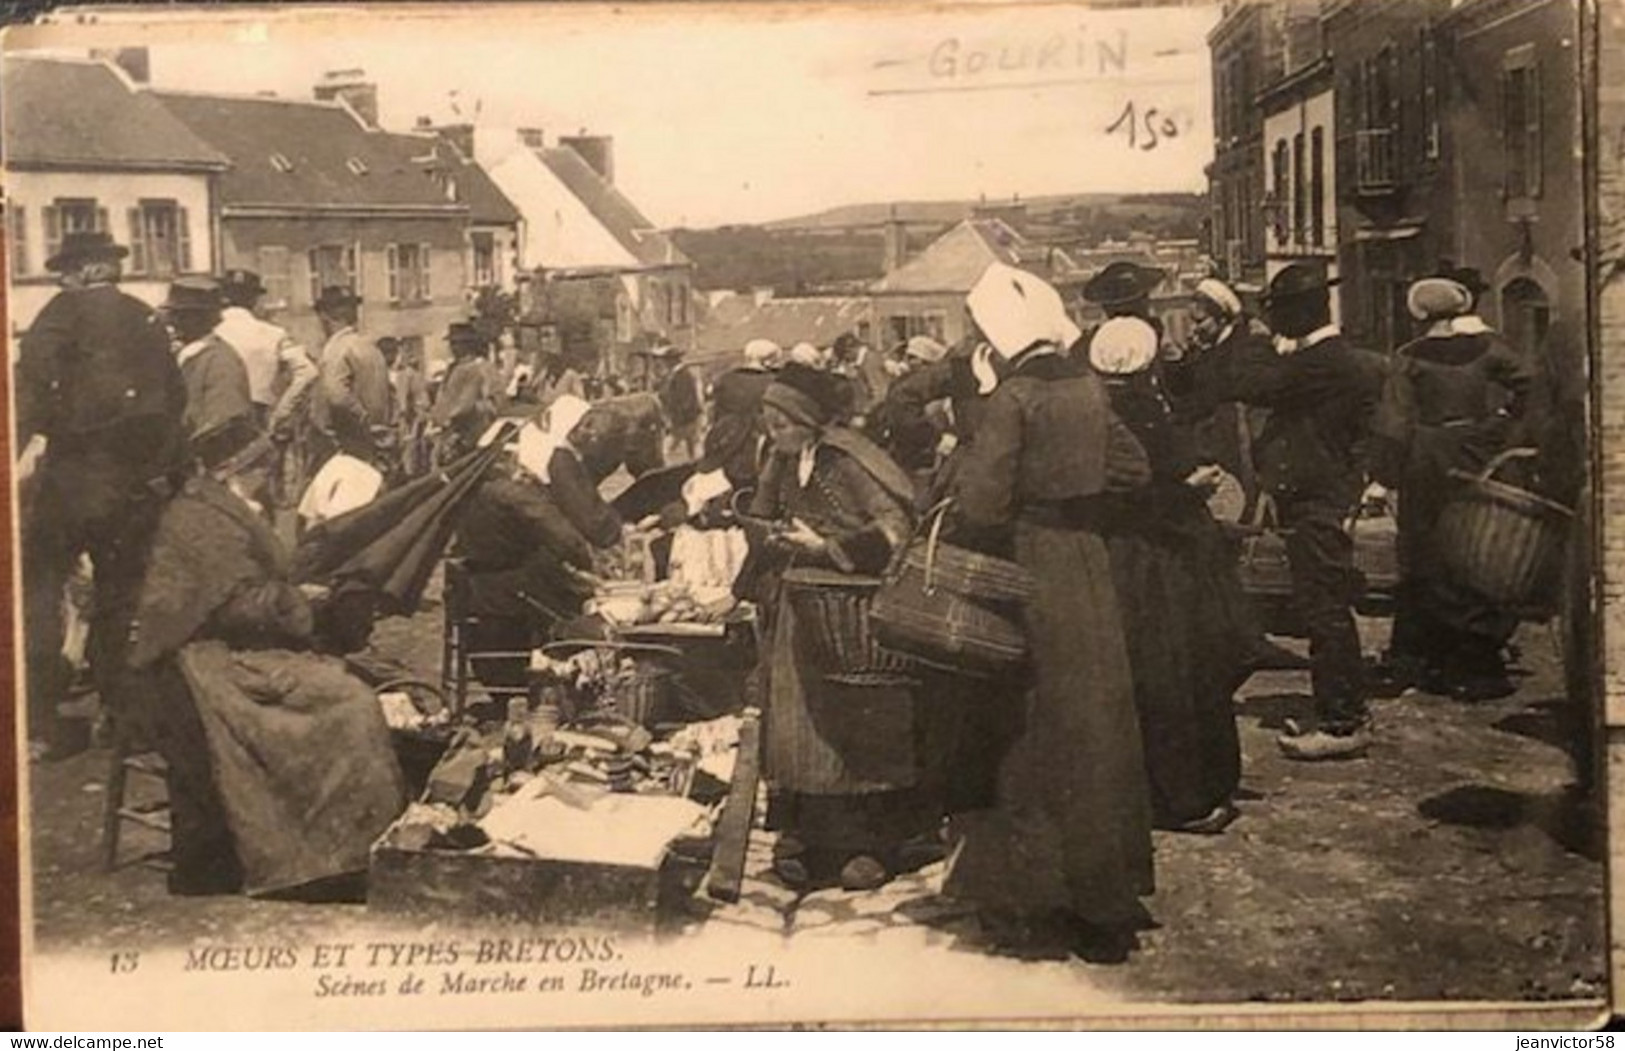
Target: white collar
(236, 311)
(804, 465)
(1442, 327)
(192, 350)
(1319, 335)
(1470, 325)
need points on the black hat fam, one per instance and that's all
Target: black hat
(387, 343)
(242, 287)
(1298, 279)
(1467, 277)
(464, 334)
(84, 247)
(193, 293)
(334, 296)
(1122, 282)
(804, 394)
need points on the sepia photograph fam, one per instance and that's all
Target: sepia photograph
(983, 514)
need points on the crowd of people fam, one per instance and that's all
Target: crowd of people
(1105, 463)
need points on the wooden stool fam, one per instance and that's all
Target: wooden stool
(130, 759)
(459, 664)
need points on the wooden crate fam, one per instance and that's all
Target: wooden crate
(436, 884)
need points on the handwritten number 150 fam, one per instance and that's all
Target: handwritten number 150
(1144, 131)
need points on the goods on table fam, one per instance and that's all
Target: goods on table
(664, 602)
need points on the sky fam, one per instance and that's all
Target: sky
(749, 113)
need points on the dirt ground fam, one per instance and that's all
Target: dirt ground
(1450, 864)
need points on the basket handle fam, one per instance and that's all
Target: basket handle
(1501, 459)
(937, 514)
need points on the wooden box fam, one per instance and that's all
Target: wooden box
(437, 884)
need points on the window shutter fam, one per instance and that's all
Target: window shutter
(183, 240)
(19, 240)
(392, 272)
(53, 230)
(352, 266)
(1532, 145)
(102, 225)
(423, 273)
(313, 259)
(138, 242)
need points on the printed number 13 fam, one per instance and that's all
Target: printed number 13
(1150, 129)
(125, 962)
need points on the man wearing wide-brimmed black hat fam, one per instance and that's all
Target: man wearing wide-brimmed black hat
(1322, 393)
(1123, 289)
(99, 404)
(352, 395)
(219, 411)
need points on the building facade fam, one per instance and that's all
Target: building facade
(1512, 131)
(1396, 200)
(1238, 45)
(1300, 196)
(143, 177)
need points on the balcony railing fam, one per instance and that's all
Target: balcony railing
(1376, 159)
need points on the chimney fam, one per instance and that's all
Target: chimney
(461, 137)
(135, 61)
(531, 138)
(597, 150)
(896, 242)
(351, 87)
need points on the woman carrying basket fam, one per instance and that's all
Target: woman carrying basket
(1452, 402)
(846, 759)
(1060, 862)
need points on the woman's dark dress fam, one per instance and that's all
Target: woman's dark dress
(850, 764)
(1185, 646)
(1071, 830)
(1450, 403)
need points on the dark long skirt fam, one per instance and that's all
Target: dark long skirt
(854, 769)
(1184, 655)
(1072, 827)
(1440, 626)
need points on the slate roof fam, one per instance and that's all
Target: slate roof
(334, 162)
(619, 216)
(955, 261)
(738, 319)
(487, 204)
(79, 114)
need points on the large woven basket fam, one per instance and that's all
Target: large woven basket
(1503, 542)
(954, 609)
(832, 615)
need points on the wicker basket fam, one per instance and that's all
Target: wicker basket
(832, 610)
(1503, 542)
(645, 696)
(953, 609)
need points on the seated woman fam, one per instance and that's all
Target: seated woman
(847, 762)
(280, 768)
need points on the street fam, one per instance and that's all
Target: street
(1447, 865)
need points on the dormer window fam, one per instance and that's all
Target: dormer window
(280, 162)
(356, 165)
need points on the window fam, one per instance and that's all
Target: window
(407, 266)
(1526, 315)
(626, 319)
(904, 327)
(680, 293)
(485, 259)
(160, 240)
(1520, 124)
(332, 265)
(275, 267)
(72, 215)
(1300, 200)
(17, 229)
(1430, 93)
(1317, 187)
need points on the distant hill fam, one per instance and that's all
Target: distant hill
(841, 249)
(946, 213)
